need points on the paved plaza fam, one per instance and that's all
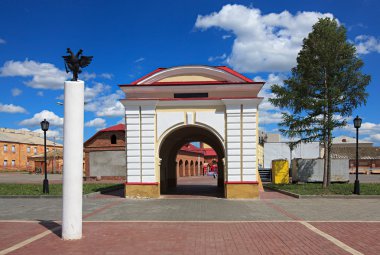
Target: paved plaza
(179, 223)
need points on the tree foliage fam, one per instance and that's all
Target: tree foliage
(326, 85)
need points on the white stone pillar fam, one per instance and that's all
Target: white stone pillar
(73, 160)
(248, 146)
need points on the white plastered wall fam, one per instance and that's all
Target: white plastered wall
(234, 121)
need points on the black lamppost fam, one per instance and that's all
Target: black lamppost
(45, 127)
(357, 124)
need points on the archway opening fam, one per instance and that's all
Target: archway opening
(183, 170)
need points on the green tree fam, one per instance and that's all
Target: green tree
(326, 85)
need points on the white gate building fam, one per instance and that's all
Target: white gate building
(172, 106)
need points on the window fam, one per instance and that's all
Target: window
(190, 95)
(13, 163)
(113, 139)
(35, 150)
(47, 149)
(5, 163)
(13, 148)
(5, 148)
(28, 149)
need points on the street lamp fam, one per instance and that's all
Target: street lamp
(45, 127)
(357, 124)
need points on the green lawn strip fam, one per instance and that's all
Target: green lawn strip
(54, 189)
(333, 189)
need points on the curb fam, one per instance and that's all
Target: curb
(324, 196)
(48, 196)
(29, 196)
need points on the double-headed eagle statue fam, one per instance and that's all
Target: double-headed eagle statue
(74, 63)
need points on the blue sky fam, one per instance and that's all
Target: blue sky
(131, 38)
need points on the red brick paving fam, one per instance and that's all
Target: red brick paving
(187, 238)
(362, 236)
(12, 233)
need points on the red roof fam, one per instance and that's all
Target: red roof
(224, 68)
(118, 127)
(191, 148)
(209, 152)
(205, 151)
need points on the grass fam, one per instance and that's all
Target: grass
(333, 189)
(54, 189)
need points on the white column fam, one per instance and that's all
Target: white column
(133, 143)
(233, 132)
(73, 160)
(249, 142)
(147, 142)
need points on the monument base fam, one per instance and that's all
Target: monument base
(241, 190)
(142, 190)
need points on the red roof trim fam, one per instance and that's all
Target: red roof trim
(190, 99)
(141, 183)
(242, 182)
(189, 83)
(229, 70)
(118, 127)
(147, 75)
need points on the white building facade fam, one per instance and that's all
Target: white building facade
(172, 106)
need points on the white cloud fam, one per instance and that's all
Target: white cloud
(366, 44)
(10, 108)
(92, 92)
(97, 122)
(53, 119)
(270, 117)
(368, 131)
(44, 75)
(375, 138)
(40, 93)
(226, 37)
(87, 76)
(139, 60)
(108, 105)
(16, 92)
(217, 58)
(269, 114)
(268, 42)
(108, 76)
(50, 133)
(2, 41)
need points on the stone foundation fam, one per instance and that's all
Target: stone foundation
(142, 190)
(241, 190)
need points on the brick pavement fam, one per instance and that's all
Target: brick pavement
(273, 224)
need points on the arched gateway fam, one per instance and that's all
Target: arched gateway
(170, 107)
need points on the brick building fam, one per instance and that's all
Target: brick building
(17, 146)
(105, 156)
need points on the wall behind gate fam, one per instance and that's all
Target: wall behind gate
(107, 163)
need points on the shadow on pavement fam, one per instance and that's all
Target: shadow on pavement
(50, 225)
(196, 190)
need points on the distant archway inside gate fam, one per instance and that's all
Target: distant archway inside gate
(169, 148)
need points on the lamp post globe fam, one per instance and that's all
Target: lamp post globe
(357, 124)
(45, 127)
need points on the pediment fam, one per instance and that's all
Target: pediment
(194, 74)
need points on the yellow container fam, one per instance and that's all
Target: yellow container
(280, 171)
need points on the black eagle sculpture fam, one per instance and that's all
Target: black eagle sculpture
(74, 63)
